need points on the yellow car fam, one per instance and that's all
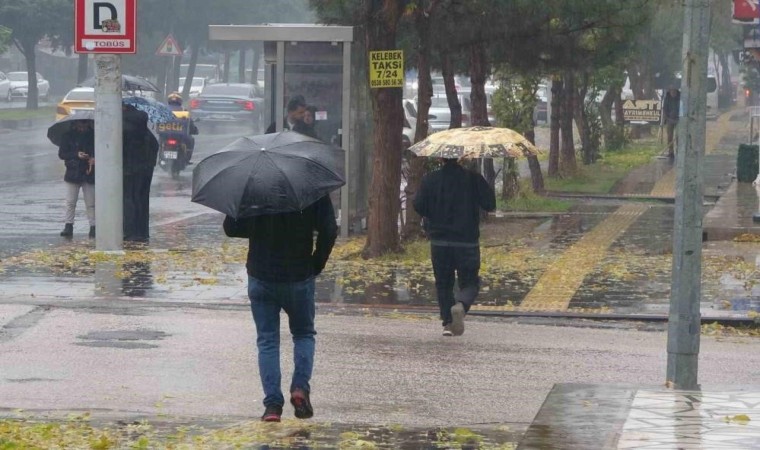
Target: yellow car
(80, 98)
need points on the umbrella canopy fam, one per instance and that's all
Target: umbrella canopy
(57, 130)
(475, 142)
(268, 174)
(128, 83)
(132, 121)
(157, 112)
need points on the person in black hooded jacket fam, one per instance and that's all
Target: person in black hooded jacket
(77, 150)
(450, 200)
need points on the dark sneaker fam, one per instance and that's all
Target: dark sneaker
(457, 319)
(68, 230)
(272, 413)
(300, 401)
(92, 232)
(447, 330)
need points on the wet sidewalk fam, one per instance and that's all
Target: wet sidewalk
(163, 318)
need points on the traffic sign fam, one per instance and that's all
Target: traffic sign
(169, 47)
(105, 26)
(386, 68)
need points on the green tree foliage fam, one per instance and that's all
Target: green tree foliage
(29, 22)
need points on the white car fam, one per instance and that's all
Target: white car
(195, 87)
(20, 87)
(5, 86)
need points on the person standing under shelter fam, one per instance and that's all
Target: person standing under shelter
(77, 150)
(671, 109)
(296, 109)
(283, 261)
(450, 200)
(139, 152)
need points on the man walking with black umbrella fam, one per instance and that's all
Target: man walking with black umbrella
(282, 264)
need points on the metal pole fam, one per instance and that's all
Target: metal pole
(109, 188)
(345, 134)
(684, 319)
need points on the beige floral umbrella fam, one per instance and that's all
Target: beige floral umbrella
(475, 142)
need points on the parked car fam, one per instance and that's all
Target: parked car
(5, 86)
(439, 115)
(20, 86)
(241, 103)
(540, 113)
(79, 98)
(196, 86)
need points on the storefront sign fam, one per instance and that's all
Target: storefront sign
(642, 111)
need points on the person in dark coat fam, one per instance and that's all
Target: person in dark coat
(450, 200)
(671, 109)
(307, 125)
(77, 150)
(139, 151)
(295, 111)
(283, 261)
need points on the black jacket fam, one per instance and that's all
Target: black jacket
(139, 150)
(450, 200)
(72, 143)
(671, 107)
(281, 246)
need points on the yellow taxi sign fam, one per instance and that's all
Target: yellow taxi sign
(386, 68)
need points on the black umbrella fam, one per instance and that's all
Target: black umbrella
(57, 130)
(133, 120)
(268, 174)
(128, 83)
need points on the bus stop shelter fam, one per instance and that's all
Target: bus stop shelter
(313, 61)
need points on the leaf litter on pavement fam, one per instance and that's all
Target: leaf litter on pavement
(513, 258)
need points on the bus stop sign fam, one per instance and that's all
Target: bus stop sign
(105, 26)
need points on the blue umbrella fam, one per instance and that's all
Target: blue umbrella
(157, 112)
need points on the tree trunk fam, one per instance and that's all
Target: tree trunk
(536, 177)
(255, 65)
(27, 48)
(557, 94)
(619, 117)
(173, 83)
(581, 120)
(478, 73)
(567, 164)
(413, 223)
(82, 67)
(161, 78)
(479, 112)
(241, 65)
(510, 180)
(190, 70)
(726, 87)
(226, 74)
(605, 115)
(388, 119)
(451, 93)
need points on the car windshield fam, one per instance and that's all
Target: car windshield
(17, 76)
(81, 95)
(225, 89)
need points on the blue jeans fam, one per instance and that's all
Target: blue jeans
(297, 300)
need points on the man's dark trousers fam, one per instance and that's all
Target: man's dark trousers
(454, 262)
